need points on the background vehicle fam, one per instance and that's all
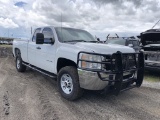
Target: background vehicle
(134, 43)
(2, 42)
(79, 62)
(5, 42)
(10, 42)
(151, 46)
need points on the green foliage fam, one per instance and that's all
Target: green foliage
(152, 76)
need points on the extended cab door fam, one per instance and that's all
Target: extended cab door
(32, 48)
(46, 52)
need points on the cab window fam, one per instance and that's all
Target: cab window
(48, 35)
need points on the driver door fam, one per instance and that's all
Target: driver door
(46, 52)
(32, 48)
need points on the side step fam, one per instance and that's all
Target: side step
(41, 71)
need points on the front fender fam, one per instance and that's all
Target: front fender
(67, 53)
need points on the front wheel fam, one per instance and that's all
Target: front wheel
(68, 83)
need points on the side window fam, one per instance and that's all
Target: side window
(34, 35)
(48, 35)
(129, 42)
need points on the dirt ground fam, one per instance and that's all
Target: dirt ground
(32, 96)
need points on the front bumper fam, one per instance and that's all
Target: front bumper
(116, 80)
(90, 80)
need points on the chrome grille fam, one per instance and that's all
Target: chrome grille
(128, 62)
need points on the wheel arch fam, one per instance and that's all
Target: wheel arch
(16, 50)
(62, 62)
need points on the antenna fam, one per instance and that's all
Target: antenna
(61, 26)
(31, 30)
(8, 32)
(155, 24)
(61, 20)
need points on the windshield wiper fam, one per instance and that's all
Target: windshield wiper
(75, 41)
(93, 41)
(79, 41)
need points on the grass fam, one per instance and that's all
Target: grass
(152, 76)
(5, 45)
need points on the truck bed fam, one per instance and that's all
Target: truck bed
(22, 45)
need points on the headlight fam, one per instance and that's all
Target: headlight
(91, 65)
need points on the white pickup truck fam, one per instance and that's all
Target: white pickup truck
(79, 62)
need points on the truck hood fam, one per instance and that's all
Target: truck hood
(104, 48)
(151, 36)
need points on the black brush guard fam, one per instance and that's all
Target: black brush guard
(118, 65)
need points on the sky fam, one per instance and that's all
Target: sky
(99, 17)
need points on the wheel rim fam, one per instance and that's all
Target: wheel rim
(66, 83)
(18, 63)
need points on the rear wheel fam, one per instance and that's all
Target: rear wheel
(68, 83)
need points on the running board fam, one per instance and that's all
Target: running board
(43, 72)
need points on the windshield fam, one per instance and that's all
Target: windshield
(73, 35)
(117, 41)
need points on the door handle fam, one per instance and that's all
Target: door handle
(38, 48)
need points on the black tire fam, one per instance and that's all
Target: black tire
(19, 66)
(76, 92)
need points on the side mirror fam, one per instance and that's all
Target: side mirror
(52, 40)
(130, 45)
(39, 38)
